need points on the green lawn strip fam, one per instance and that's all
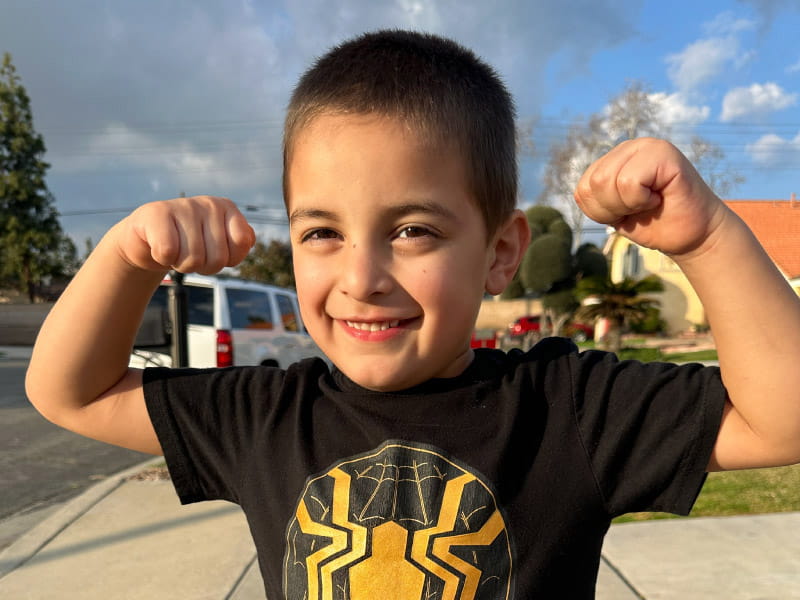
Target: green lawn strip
(654, 354)
(695, 356)
(756, 491)
(641, 354)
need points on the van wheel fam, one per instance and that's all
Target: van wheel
(269, 363)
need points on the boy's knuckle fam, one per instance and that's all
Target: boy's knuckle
(599, 179)
(583, 190)
(164, 253)
(627, 184)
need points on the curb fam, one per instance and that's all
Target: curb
(27, 545)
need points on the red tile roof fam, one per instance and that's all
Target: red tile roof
(776, 224)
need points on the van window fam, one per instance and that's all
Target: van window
(288, 316)
(200, 301)
(249, 309)
(156, 329)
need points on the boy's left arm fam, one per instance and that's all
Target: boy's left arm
(651, 194)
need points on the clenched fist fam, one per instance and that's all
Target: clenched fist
(650, 193)
(202, 234)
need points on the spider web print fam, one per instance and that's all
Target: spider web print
(401, 522)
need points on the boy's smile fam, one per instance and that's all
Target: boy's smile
(390, 251)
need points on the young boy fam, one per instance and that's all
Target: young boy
(416, 467)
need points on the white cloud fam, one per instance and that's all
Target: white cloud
(194, 168)
(674, 109)
(756, 100)
(773, 149)
(795, 68)
(701, 61)
(727, 23)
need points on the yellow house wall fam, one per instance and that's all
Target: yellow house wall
(680, 306)
(795, 283)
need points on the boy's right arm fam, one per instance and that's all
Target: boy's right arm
(78, 376)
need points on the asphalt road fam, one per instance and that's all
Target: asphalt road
(40, 463)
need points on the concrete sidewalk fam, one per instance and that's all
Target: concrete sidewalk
(129, 538)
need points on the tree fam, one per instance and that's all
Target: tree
(620, 303)
(567, 162)
(32, 243)
(632, 113)
(707, 159)
(550, 269)
(269, 263)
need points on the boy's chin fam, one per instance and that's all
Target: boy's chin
(374, 380)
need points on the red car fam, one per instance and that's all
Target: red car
(579, 332)
(483, 338)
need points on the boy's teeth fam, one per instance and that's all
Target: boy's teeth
(372, 326)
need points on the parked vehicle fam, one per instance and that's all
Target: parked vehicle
(483, 338)
(579, 332)
(229, 322)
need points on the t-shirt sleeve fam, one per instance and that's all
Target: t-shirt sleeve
(206, 421)
(648, 429)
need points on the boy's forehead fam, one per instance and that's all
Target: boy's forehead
(335, 130)
(391, 178)
(341, 123)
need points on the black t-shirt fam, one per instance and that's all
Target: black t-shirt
(498, 483)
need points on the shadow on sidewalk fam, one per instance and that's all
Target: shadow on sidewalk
(50, 554)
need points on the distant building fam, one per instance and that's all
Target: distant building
(776, 224)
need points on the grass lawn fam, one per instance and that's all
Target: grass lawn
(652, 354)
(741, 492)
(691, 356)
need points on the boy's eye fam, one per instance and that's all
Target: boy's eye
(320, 234)
(414, 231)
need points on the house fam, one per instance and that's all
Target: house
(776, 224)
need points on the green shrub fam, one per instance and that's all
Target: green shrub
(652, 322)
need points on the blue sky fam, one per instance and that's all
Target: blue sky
(141, 100)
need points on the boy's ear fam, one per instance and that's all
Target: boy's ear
(508, 246)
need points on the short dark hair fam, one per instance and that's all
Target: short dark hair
(443, 90)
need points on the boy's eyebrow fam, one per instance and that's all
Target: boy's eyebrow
(401, 210)
(424, 207)
(311, 213)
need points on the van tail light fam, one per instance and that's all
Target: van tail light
(224, 348)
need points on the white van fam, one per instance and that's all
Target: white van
(229, 322)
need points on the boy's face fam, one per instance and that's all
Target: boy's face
(390, 252)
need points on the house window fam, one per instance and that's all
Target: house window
(631, 264)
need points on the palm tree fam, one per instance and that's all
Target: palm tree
(618, 302)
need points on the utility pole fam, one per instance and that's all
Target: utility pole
(176, 302)
(177, 305)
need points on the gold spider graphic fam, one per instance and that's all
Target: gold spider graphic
(401, 522)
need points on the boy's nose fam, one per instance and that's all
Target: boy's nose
(363, 272)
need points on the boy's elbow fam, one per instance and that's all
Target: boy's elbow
(51, 403)
(38, 395)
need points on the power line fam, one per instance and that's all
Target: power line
(94, 211)
(279, 218)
